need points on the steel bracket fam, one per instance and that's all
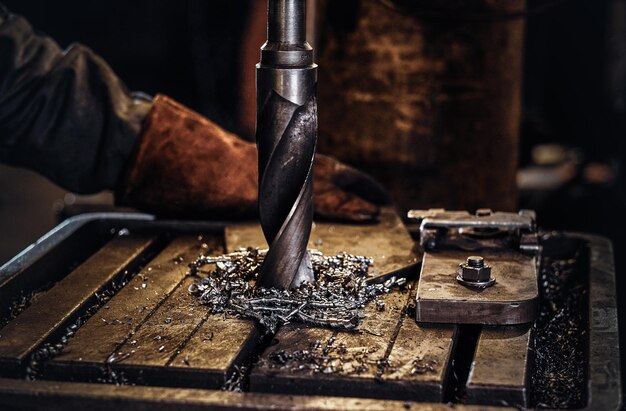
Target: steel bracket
(450, 292)
(439, 228)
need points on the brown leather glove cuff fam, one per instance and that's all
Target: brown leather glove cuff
(186, 165)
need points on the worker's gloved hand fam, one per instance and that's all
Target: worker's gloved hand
(342, 192)
(185, 165)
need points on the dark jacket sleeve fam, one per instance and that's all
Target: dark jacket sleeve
(63, 113)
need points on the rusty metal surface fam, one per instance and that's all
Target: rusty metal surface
(154, 330)
(156, 342)
(99, 339)
(499, 373)
(420, 359)
(56, 308)
(512, 300)
(341, 363)
(416, 364)
(296, 340)
(56, 396)
(180, 342)
(379, 361)
(215, 349)
(387, 241)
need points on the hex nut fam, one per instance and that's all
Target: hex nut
(476, 274)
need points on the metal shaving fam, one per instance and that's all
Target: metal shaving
(559, 337)
(326, 357)
(423, 365)
(19, 304)
(235, 382)
(335, 300)
(49, 350)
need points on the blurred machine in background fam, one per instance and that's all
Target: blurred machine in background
(426, 95)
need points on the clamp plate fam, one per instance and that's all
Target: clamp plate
(512, 300)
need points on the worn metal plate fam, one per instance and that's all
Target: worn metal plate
(415, 366)
(499, 373)
(158, 339)
(344, 363)
(96, 342)
(56, 308)
(154, 331)
(420, 360)
(213, 352)
(390, 357)
(182, 344)
(605, 381)
(512, 300)
(387, 241)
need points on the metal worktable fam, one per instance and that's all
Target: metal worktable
(97, 315)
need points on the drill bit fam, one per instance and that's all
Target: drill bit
(286, 137)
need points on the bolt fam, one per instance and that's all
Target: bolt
(475, 261)
(475, 272)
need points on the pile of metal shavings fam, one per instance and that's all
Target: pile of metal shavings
(336, 299)
(559, 336)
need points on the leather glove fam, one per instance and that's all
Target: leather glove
(185, 165)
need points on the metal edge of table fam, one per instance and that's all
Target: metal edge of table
(66, 228)
(54, 237)
(54, 395)
(604, 382)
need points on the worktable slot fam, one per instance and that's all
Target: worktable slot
(53, 310)
(92, 351)
(499, 373)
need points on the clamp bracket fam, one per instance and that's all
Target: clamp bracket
(477, 268)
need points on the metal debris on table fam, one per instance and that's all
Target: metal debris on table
(18, 304)
(558, 379)
(50, 349)
(235, 382)
(335, 300)
(423, 365)
(327, 357)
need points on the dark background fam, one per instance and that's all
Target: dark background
(187, 49)
(574, 95)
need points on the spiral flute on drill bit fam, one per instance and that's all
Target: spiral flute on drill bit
(286, 138)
